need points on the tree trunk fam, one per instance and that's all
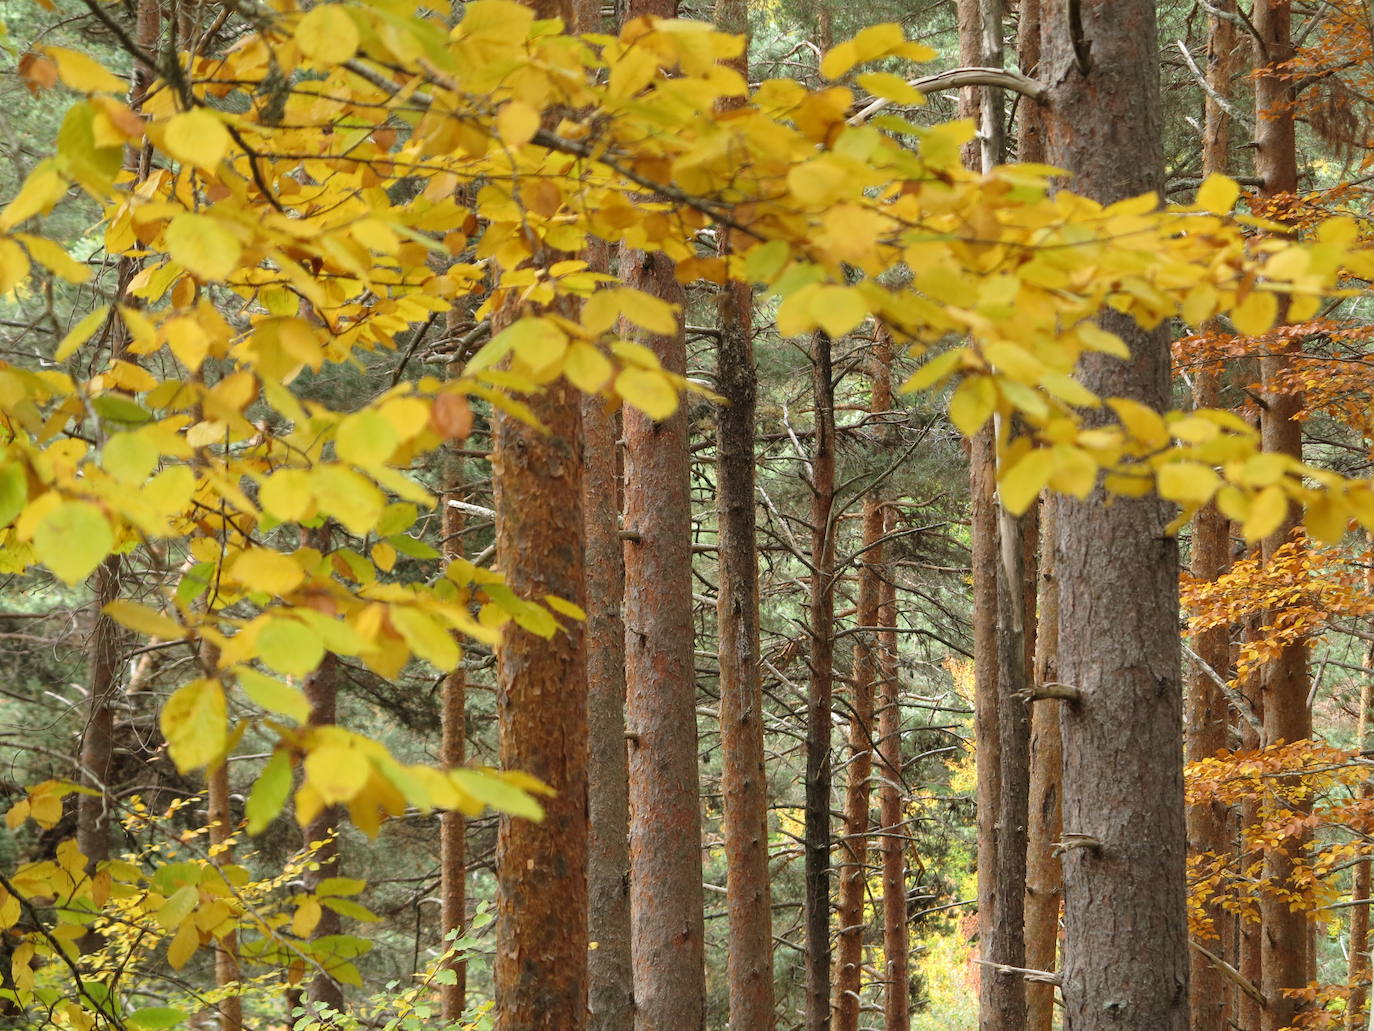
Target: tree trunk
(1211, 828)
(892, 791)
(452, 749)
(321, 688)
(1284, 682)
(541, 951)
(610, 973)
(97, 740)
(853, 871)
(744, 785)
(660, 685)
(1126, 943)
(818, 708)
(1044, 878)
(1358, 949)
(1030, 121)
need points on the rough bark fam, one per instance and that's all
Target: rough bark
(1284, 681)
(818, 708)
(1211, 828)
(1358, 948)
(660, 686)
(610, 974)
(541, 950)
(453, 734)
(1044, 878)
(891, 806)
(864, 674)
(1126, 945)
(97, 740)
(1030, 122)
(744, 786)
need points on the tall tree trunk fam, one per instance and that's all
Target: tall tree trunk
(1044, 877)
(1358, 949)
(1126, 943)
(1030, 121)
(865, 673)
(1284, 681)
(541, 952)
(452, 751)
(660, 685)
(610, 971)
(1249, 933)
(1211, 828)
(818, 708)
(892, 790)
(744, 786)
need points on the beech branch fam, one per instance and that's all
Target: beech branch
(957, 78)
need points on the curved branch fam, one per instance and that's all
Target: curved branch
(957, 78)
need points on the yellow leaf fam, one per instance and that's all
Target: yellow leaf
(72, 540)
(426, 638)
(337, 772)
(192, 721)
(262, 569)
(891, 87)
(1141, 421)
(838, 60)
(1267, 512)
(14, 265)
(1023, 482)
(587, 368)
(307, 914)
(287, 494)
(838, 309)
(647, 390)
(53, 256)
(84, 74)
(203, 246)
(348, 497)
(43, 188)
(129, 457)
(1189, 483)
(1218, 194)
(183, 945)
(289, 646)
(327, 35)
(272, 694)
(1325, 519)
(143, 620)
(1256, 314)
(1075, 472)
(972, 404)
(80, 333)
(516, 123)
(366, 439)
(196, 138)
(383, 556)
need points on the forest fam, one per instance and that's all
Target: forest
(672, 515)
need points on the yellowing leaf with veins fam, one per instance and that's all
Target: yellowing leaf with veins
(1256, 314)
(1218, 194)
(273, 695)
(327, 34)
(192, 721)
(337, 772)
(426, 638)
(196, 138)
(262, 569)
(144, 620)
(72, 540)
(366, 439)
(648, 391)
(289, 646)
(203, 246)
(78, 334)
(287, 494)
(517, 123)
(84, 74)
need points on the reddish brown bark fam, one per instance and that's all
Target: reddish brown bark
(818, 708)
(321, 688)
(610, 974)
(1030, 122)
(1126, 944)
(853, 854)
(891, 803)
(660, 687)
(452, 750)
(97, 739)
(1358, 947)
(744, 787)
(1284, 681)
(541, 950)
(1044, 878)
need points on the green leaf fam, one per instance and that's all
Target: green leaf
(193, 724)
(273, 695)
(155, 1018)
(491, 789)
(269, 792)
(289, 647)
(14, 491)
